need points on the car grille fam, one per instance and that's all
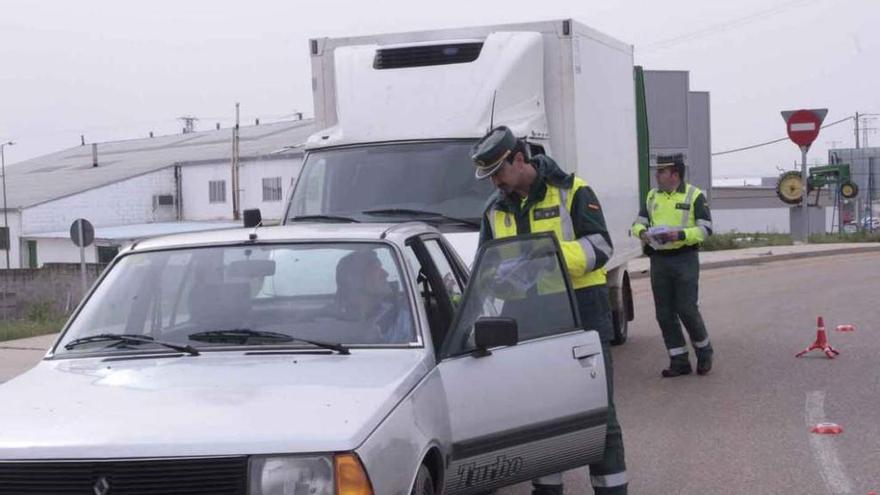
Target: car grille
(216, 476)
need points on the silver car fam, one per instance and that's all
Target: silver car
(313, 359)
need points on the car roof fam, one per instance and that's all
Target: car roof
(396, 233)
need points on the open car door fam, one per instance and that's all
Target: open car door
(524, 383)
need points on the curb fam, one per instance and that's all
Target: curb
(759, 260)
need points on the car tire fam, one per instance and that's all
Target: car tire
(621, 328)
(621, 315)
(424, 484)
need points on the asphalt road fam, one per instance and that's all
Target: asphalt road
(745, 429)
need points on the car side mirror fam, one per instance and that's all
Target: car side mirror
(494, 332)
(252, 218)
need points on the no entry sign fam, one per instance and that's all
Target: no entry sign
(803, 125)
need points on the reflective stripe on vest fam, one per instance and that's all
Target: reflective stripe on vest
(664, 209)
(555, 216)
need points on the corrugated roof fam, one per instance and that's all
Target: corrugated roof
(67, 172)
(141, 231)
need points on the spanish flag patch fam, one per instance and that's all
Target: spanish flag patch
(593, 206)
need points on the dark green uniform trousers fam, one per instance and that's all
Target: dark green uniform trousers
(607, 476)
(675, 283)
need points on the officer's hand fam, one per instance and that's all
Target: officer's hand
(643, 236)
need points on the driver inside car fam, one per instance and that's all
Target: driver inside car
(364, 294)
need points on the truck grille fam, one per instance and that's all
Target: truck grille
(422, 56)
(226, 476)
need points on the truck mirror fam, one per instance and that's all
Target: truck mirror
(494, 332)
(252, 218)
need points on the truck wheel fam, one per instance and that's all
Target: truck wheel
(621, 327)
(424, 485)
(623, 314)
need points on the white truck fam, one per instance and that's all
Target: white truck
(398, 113)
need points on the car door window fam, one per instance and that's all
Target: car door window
(523, 280)
(431, 283)
(451, 281)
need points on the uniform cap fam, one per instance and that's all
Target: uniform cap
(491, 150)
(669, 161)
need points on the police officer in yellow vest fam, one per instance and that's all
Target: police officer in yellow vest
(535, 195)
(672, 223)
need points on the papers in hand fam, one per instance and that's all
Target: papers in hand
(516, 273)
(654, 235)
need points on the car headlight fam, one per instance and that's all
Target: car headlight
(318, 475)
(291, 476)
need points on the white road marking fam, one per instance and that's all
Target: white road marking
(830, 467)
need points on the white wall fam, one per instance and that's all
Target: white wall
(62, 251)
(122, 203)
(125, 202)
(195, 189)
(757, 220)
(252, 175)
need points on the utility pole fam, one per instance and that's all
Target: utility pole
(866, 121)
(236, 210)
(8, 235)
(857, 130)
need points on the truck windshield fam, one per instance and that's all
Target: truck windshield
(348, 293)
(435, 176)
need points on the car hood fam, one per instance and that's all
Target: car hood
(218, 403)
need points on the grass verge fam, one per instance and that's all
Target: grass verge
(21, 329)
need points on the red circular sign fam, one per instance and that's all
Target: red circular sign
(803, 127)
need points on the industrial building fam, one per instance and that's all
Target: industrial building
(140, 188)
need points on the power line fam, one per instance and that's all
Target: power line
(740, 21)
(775, 140)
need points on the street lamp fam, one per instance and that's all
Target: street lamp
(5, 215)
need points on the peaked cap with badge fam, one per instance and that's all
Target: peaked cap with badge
(491, 150)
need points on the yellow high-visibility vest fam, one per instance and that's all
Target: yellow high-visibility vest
(553, 214)
(676, 210)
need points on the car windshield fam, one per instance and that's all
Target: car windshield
(436, 177)
(347, 293)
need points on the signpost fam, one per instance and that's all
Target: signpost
(82, 234)
(803, 128)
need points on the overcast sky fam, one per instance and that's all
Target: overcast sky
(120, 69)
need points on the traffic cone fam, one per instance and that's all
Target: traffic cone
(827, 429)
(821, 342)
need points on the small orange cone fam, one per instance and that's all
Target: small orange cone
(821, 342)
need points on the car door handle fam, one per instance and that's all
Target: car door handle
(588, 357)
(584, 351)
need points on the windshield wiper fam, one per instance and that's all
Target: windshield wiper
(421, 213)
(337, 218)
(243, 336)
(129, 339)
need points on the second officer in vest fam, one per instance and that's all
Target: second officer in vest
(672, 223)
(535, 195)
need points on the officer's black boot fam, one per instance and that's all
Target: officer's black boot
(704, 360)
(679, 365)
(546, 489)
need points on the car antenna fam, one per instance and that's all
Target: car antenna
(492, 115)
(253, 235)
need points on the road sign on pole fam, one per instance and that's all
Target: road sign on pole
(803, 125)
(82, 234)
(803, 128)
